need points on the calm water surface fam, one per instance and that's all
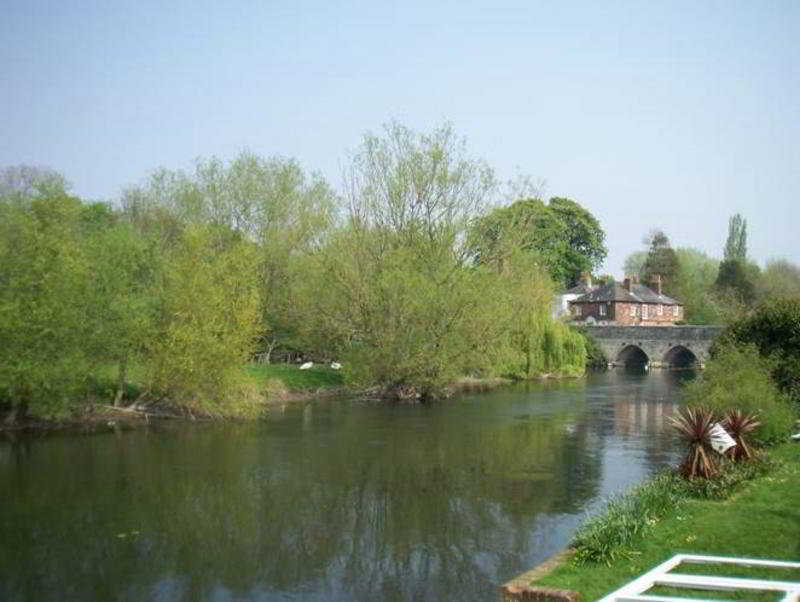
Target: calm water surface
(334, 500)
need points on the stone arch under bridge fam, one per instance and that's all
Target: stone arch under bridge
(660, 346)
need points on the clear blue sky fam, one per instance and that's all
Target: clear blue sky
(672, 114)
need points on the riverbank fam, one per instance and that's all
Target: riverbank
(760, 520)
(275, 384)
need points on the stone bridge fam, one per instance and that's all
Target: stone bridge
(660, 346)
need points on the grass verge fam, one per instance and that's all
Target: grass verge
(761, 520)
(289, 378)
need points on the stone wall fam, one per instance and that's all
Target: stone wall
(659, 343)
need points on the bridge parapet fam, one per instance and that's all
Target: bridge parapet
(661, 344)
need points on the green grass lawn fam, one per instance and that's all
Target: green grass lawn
(294, 379)
(762, 520)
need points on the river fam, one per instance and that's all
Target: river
(329, 500)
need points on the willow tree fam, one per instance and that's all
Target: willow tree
(396, 291)
(271, 202)
(44, 275)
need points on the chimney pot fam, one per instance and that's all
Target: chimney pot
(658, 283)
(626, 284)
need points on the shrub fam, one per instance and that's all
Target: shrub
(774, 328)
(739, 424)
(739, 378)
(694, 426)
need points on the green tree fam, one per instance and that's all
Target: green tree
(661, 261)
(272, 202)
(586, 248)
(737, 277)
(780, 278)
(694, 286)
(634, 263)
(736, 244)
(774, 328)
(206, 324)
(44, 275)
(563, 237)
(392, 290)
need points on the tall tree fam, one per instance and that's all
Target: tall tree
(661, 261)
(736, 244)
(736, 276)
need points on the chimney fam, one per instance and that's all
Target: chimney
(626, 284)
(658, 283)
(587, 280)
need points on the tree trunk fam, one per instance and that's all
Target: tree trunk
(123, 373)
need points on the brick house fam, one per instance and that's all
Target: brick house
(627, 304)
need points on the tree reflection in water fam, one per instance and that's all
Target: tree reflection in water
(330, 500)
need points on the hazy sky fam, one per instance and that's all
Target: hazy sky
(651, 114)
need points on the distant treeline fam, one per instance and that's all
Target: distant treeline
(411, 277)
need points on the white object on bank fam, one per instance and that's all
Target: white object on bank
(721, 441)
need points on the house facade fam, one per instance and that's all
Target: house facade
(627, 304)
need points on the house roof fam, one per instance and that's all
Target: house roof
(615, 291)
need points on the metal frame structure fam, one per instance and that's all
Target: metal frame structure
(661, 575)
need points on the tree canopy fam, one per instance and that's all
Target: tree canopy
(563, 237)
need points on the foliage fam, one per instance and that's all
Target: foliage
(694, 286)
(736, 243)
(661, 261)
(44, 277)
(586, 248)
(737, 377)
(739, 527)
(607, 537)
(694, 426)
(629, 518)
(207, 322)
(734, 278)
(595, 356)
(634, 263)
(774, 329)
(270, 202)
(739, 425)
(780, 279)
(562, 236)
(392, 292)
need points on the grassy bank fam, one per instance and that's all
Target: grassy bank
(761, 519)
(278, 379)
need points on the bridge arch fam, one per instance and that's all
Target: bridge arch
(631, 355)
(680, 356)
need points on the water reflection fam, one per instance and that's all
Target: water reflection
(328, 501)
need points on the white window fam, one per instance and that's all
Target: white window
(577, 309)
(660, 309)
(633, 311)
(603, 309)
(676, 311)
(644, 312)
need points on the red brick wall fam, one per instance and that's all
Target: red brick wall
(621, 313)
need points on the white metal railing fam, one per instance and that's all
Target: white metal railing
(661, 575)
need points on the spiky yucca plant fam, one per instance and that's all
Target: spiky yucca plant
(694, 426)
(738, 424)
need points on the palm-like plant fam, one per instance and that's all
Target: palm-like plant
(694, 426)
(738, 424)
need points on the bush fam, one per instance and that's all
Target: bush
(774, 328)
(739, 378)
